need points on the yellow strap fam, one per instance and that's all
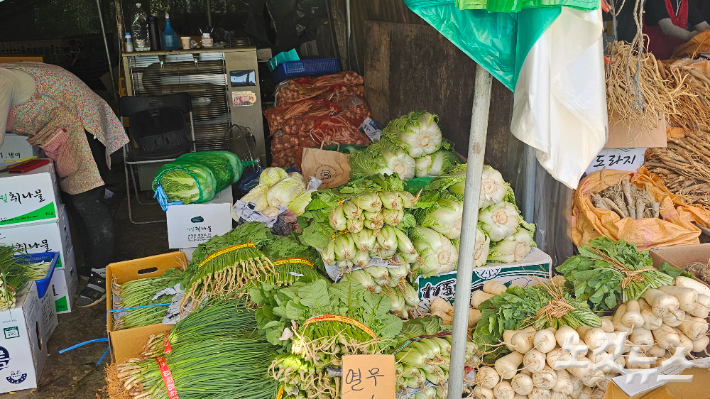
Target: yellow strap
(280, 394)
(224, 251)
(288, 261)
(342, 319)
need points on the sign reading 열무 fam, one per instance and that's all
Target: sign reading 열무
(368, 377)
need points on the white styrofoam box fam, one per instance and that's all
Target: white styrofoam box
(535, 267)
(15, 147)
(192, 224)
(23, 348)
(29, 197)
(65, 283)
(33, 238)
(188, 253)
(628, 159)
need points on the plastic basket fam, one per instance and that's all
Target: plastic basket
(50, 257)
(292, 69)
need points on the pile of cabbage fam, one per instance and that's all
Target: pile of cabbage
(276, 189)
(502, 235)
(411, 146)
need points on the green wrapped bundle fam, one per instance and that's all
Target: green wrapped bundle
(197, 176)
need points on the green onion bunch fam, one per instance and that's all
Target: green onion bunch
(137, 293)
(211, 320)
(13, 278)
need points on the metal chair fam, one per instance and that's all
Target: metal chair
(159, 126)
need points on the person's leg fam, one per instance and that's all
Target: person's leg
(96, 231)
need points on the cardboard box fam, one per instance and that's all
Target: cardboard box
(188, 253)
(46, 236)
(29, 197)
(23, 348)
(190, 225)
(621, 135)
(681, 256)
(15, 148)
(696, 389)
(127, 344)
(65, 284)
(49, 315)
(536, 267)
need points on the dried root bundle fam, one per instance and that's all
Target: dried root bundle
(684, 167)
(627, 200)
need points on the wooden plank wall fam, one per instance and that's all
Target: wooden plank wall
(412, 67)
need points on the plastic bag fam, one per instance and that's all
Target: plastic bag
(676, 227)
(211, 171)
(353, 107)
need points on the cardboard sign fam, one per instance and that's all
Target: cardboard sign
(368, 377)
(628, 159)
(623, 135)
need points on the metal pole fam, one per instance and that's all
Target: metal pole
(209, 13)
(108, 54)
(472, 190)
(347, 31)
(530, 186)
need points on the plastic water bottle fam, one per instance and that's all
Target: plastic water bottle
(170, 39)
(129, 43)
(139, 30)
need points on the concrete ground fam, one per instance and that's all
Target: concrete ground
(74, 374)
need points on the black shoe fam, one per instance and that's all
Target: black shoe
(94, 292)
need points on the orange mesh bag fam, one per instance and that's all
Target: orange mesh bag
(676, 228)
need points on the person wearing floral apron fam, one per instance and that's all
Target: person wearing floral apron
(79, 132)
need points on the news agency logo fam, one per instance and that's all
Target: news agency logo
(608, 363)
(197, 219)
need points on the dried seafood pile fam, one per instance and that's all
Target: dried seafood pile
(684, 167)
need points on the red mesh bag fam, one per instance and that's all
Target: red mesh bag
(302, 88)
(314, 106)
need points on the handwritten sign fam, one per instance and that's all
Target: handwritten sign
(368, 377)
(628, 159)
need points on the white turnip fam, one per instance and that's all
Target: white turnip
(650, 320)
(544, 340)
(494, 287)
(618, 325)
(545, 379)
(700, 344)
(534, 361)
(674, 319)
(503, 390)
(607, 324)
(661, 303)
(687, 297)
(666, 337)
(522, 384)
(656, 351)
(483, 393)
(507, 366)
(478, 297)
(682, 281)
(538, 393)
(563, 383)
(642, 338)
(487, 378)
(632, 316)
(694, 327)
(563, 332)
